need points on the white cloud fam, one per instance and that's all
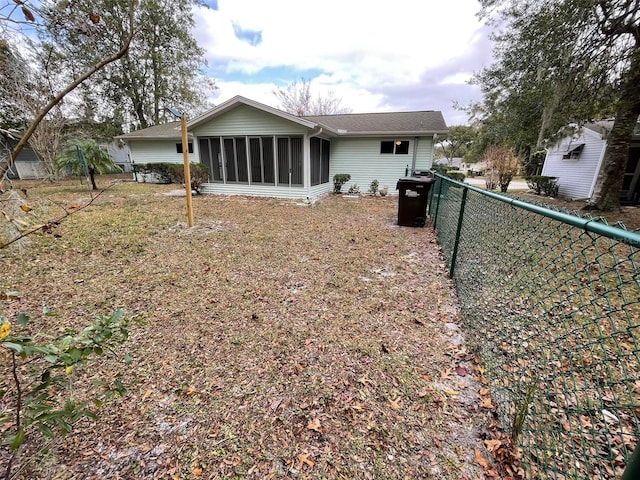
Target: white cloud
(364, 49)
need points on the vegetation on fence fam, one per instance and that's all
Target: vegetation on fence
(174, 173)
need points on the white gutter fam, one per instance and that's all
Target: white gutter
(415, 154)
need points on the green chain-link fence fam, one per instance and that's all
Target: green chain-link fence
(551, 302)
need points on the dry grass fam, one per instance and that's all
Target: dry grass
(276, 340)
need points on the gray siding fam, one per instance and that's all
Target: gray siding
(245, 120)
(361, 158)
(576, 177)
(157, 151)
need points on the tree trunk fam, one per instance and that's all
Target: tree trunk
(92, 178)
(606, 194)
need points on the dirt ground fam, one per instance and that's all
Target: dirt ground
(272, 340)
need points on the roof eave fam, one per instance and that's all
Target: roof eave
(429, 133)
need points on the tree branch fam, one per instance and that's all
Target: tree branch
(58, 98)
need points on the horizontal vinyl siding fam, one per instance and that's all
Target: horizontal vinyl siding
(156, 151)
(245, 120)
(575, 176)
(254, 190)
(361, 158)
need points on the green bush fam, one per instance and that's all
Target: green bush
(199, 174)
(455, 175)
(441, 169)
(373, 188)
(543, 185)
(339, 179)
(161, 170)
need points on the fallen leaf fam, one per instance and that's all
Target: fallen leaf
(460, 370)
(395, 404)
(480, 460)
(304, 458)
(493, 445)
(314, 425)
(26, 208)
(486, 403)
(190, 390)
(451, 392)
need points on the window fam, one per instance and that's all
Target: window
(394, 147)
(573, 153)
(262, 161)
(179, 147)
(319, 161)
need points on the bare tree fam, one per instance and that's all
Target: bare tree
(79, 22)
(503, 166)
(296, 98)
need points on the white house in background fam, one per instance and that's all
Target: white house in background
(253, 149)
(576, 161)
(453, 163)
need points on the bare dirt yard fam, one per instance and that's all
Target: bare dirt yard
(271, 340)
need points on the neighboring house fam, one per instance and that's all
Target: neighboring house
(576, 161)
(478, 168)
(455, 163)
(253, 149)
(119, 153)
(28, 165)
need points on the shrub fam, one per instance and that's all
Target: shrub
(339, 179)
(455, 175)
(162, 171)
(543, 185)
(354, 189)
(199, 174)
(373, 188)
(441, 169)
(41, 389)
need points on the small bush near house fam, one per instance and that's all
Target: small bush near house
(373, 188)
(339, 179)
(199, 174)
(354, 189)
(543, 185)
(441, 169)
(161, 170)
(455, 175)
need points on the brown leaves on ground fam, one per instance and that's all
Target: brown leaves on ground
(276, 340)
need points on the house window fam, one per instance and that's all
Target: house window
(179, 147)
(394, 147)
(235, 159)
(573, 153)
(319, 161)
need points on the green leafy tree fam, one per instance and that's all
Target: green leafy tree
(85, 157)
(562, 62)
(457, 142)
(162, 67)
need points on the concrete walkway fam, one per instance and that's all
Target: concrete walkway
(480, 182)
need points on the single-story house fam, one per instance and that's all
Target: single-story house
(254, 149)
(576, 161)
(453, 163)
(28, 166)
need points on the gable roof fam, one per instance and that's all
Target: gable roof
(165, 131)
(239, 100)
(426, 122)
(604, 127)
(390, 123)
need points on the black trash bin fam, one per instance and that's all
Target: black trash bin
(412, 202)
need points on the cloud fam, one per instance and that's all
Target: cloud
(377, 56)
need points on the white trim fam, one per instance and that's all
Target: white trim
(595, 177)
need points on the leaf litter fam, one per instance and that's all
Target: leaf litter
(273, 341)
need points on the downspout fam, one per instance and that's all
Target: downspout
(307, 177)
(415, 155)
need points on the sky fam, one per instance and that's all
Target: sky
(377, 56)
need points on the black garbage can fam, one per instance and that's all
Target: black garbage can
(412, 201)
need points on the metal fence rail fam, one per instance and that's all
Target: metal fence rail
(551, 302)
